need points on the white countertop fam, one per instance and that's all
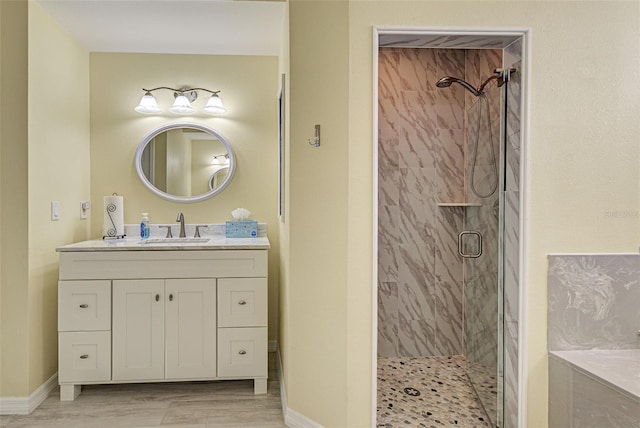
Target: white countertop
(137, 244)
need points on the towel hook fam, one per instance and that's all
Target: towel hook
(316, 137)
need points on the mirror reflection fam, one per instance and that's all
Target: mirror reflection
(185, 163)
(218, 177)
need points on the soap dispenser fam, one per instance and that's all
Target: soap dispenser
(144, 226)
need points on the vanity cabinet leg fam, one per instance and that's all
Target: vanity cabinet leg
(69, 392)
(260, 385)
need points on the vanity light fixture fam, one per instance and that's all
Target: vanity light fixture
(221, 159)
(182, 104)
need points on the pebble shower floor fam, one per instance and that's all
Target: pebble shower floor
(427, 392)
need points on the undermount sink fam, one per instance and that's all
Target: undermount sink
(175, 240)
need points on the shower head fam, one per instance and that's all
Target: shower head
(446, 81)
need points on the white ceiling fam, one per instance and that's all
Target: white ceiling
(214, 27)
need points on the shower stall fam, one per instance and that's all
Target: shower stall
(448, 169)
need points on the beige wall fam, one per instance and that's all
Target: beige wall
(14, 368)
(249, 90)
(315, 347)
(58, 170)
(46, 154)
(582, 174)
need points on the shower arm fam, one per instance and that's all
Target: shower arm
(502, 74)
(486, 82)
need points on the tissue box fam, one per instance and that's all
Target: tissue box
(242, 229)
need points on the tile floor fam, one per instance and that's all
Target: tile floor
(484, 382)
(427, 392)
(228, 404)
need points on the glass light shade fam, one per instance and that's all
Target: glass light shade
(181, 105)
(148, 104)
(214, 105)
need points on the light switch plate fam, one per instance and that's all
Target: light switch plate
(55, 210)
(84, 208)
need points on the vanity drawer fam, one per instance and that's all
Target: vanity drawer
(242, 302)
(242, 352)
(84, 356)
(84, 305)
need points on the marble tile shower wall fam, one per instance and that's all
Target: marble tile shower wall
(422, 133)
(421, 162)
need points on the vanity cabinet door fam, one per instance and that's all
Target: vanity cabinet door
(138, 329)
(190, 328)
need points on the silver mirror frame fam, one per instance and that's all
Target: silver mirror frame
(184, 199)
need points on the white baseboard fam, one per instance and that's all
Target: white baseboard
(292, 419)
(26, 405)
(283, 391)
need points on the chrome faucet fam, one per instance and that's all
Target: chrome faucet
(181, 220)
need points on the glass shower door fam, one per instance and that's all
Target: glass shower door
(483, 282)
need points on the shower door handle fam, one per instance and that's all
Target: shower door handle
(460, 249)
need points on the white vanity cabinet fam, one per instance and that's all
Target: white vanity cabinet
(161, 315)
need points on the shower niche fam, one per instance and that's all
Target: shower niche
(448, 181)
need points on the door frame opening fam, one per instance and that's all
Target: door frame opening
(467, 35)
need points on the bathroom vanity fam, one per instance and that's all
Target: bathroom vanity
(162, 311)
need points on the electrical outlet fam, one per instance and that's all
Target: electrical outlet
(84, 208)
(55, 210)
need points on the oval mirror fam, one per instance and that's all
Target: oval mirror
(185, 162)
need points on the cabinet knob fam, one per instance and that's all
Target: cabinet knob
(171, 297)
(84, 357)
(84, 306)
(157, 297)
(242, 302)
(242, 352)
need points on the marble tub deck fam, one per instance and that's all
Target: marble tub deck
(427, 392)
(617, 368)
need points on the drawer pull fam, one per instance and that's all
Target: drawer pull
(242, 352)
(84, 357)
(157, 297)
(84, 306)
(242, 302)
